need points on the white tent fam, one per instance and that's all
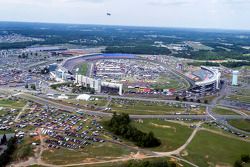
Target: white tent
(85, 97)
(63, 96)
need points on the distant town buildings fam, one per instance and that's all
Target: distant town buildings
(13, 38)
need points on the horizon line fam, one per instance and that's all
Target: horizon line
(138, 26)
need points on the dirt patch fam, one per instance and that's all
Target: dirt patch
(184, 153)
(138, 155)
(223, 165)
(164, 126)
(51, 151)
(88, 160)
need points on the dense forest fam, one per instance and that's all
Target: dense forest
(229, 64)
(155, 163)
(225, 44)
(6, 156)
(141, 49)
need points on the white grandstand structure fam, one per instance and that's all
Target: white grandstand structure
(210, 83)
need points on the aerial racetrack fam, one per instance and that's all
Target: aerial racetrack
(134, 71)
(71, 63)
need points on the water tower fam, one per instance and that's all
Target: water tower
(235, 78)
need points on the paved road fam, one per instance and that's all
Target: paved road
(209, 115)
(44, 101)
(152, 100)
(178, 150)
(220, 119)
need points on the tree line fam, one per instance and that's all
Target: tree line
(245, 159)
(120, 125)
(154, 163)
(230, 64)
(83, 89)
(138, 49)
(6, 157)
(211, 55)
(3, 140)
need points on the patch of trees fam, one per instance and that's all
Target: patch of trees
(6, 157)
(18, 45)
(204, 64)
(138, 49)
(230, 64)
(120, 125)
(82, 89)
(55, 86)
(154, 163)
(23, 56)
(236, 64)
(33, 86)
(177, 98)
(211, 55)
(45, 70)
(245, 159)
(3, 140)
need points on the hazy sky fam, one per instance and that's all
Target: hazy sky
(229, 14)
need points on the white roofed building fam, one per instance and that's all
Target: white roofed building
(85, 97)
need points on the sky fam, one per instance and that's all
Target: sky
(219, 14)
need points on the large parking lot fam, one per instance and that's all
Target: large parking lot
(58, 128)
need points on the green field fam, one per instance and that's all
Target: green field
(119, 164)
(104, 151)
(24, 149)
(2, 112)
(144, 108)
(97, 103)
(223, 111)
(166, 83)
(243, 92)
(199, 46)
(241, 124)
(243, 99)
(6, 132)
(11, 103)
(83, 69)
(208, 149)
(172, 135)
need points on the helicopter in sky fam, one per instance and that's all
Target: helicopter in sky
(108, 14)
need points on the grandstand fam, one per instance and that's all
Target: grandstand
(69, 64)
(209, 80)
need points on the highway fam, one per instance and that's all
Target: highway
(43, 101)
(152, 100)
(220, 119)
(209, 116)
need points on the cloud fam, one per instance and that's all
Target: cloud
(194, 2)
(88, 1)
(170, 2)
(231, 2)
